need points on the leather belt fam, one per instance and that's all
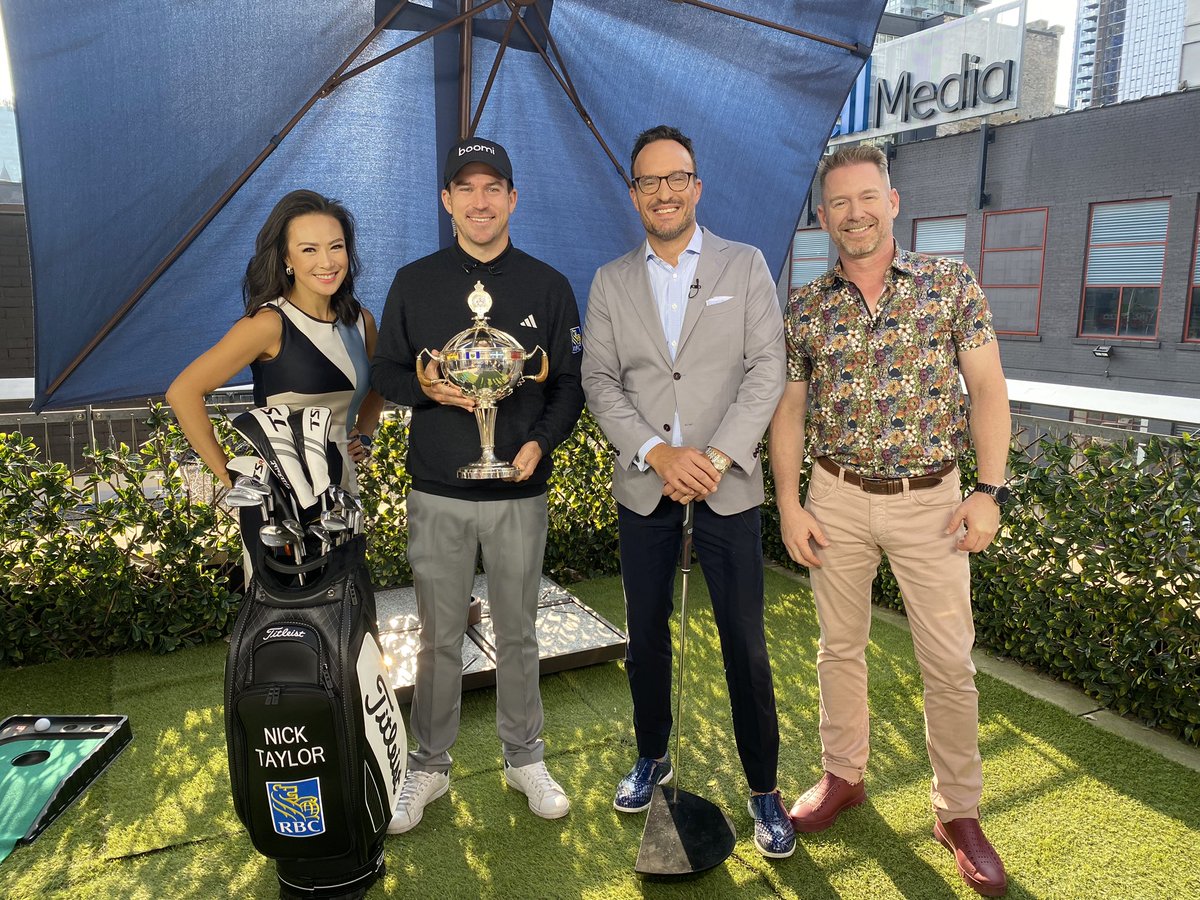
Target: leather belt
(886, 485)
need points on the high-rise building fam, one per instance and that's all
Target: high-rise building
(1126, 49)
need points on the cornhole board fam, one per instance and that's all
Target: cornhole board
(44, 772)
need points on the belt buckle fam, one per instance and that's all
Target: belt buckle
(886, 486)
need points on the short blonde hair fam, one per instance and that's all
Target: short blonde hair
(852, 156)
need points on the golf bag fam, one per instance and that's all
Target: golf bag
(317, 746)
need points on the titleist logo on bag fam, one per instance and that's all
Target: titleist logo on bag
(284, 631)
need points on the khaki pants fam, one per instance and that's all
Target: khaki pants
(935, 581)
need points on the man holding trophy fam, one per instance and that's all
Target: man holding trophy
(469, 390)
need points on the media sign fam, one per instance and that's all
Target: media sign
(966, 67)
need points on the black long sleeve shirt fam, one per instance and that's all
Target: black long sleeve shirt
(426, 306)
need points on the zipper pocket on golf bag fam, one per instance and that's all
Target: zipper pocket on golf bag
(296, 793)
(291, 784)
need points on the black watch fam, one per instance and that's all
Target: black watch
(998, 493)
(366, 440)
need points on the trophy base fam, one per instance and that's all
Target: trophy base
(480, 470)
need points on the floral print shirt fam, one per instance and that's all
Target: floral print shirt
(884, 396)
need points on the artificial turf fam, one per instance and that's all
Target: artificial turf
(1075, 812)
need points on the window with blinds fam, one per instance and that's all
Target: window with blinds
(1127, 245)
(946, 236)
(1192, 327)
(1010, 272)
(811, 251)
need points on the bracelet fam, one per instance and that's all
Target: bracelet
(720, 461)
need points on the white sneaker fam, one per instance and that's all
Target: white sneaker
(546, 797)
(418, 791)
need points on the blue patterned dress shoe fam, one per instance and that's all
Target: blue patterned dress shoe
(636, 788)
(773, 833)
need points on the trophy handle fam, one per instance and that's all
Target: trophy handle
(544, 371)
(421, 376)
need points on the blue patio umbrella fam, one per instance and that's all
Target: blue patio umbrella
(155, 137)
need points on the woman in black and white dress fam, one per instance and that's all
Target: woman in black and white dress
(305, 337)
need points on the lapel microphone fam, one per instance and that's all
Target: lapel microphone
(694, 289)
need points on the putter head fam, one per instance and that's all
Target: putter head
(684, 836)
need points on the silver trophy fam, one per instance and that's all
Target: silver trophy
(486, 364)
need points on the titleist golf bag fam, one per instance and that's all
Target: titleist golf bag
(317, 746)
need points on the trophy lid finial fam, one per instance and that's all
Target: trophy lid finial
(479, 300)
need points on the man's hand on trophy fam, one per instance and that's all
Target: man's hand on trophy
(439, 390)
(526, 461)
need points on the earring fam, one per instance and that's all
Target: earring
(290, 270)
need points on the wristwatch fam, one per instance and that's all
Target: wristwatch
(999, 493)
(720, 461)
(366, 440)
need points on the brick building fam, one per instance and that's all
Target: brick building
(1087, 244)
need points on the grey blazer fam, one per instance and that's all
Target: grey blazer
(727, 377)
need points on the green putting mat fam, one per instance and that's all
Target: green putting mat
(31, 770)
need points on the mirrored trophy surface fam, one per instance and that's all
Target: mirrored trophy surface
(486, 364)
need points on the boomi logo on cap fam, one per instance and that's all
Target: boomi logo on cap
(474, 147)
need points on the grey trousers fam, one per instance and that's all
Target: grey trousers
(444, 538)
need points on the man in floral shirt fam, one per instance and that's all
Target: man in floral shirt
(875, 350)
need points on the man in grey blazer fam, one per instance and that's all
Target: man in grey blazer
(683, 364)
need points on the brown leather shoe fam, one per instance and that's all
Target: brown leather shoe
(821, 804)
(978, 862)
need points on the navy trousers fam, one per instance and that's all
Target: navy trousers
(729, 550)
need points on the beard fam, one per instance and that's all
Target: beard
(668, 234)
(859, 248)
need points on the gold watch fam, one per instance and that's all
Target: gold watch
(720, 461)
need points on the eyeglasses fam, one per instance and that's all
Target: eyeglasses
(676, 181)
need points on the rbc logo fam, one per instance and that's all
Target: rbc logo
(296, 807)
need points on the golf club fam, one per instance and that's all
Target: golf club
(684, 834)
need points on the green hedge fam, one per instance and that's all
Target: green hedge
(1095, 575)
(82, 578)
(1094, 578)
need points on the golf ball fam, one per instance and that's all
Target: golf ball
(42, 724)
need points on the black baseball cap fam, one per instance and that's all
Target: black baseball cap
(478, 150)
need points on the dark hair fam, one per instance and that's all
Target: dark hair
(266, 275)
(660, 133)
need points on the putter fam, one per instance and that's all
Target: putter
(684, 834)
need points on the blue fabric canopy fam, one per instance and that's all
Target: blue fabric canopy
(135, 116)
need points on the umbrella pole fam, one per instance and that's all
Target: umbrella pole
(685, 835)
